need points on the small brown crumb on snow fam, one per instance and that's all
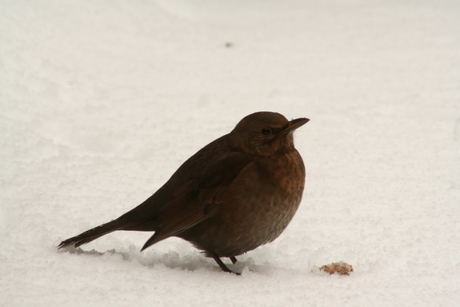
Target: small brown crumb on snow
(341, 268)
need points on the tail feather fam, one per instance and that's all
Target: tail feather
(93, 234)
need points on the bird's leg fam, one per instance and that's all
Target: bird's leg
(233, 259)
(223, 266)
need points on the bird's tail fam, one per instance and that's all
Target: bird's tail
(93, 233)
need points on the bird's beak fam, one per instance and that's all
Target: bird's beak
(294, 124)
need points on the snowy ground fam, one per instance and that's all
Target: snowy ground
(100, 101)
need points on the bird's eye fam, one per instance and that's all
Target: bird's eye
(266, 131)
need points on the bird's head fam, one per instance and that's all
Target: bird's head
(265, 134)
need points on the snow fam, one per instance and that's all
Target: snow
(100, 102)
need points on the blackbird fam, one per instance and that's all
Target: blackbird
(235, 194)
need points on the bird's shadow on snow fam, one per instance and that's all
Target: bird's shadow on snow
(174, 260)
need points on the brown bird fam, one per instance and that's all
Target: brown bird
(235, 194)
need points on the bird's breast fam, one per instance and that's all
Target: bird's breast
(256, 208)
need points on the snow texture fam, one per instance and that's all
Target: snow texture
(101, 101)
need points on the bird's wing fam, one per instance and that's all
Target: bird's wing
(199, 198)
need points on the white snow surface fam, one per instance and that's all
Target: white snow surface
(101, 101)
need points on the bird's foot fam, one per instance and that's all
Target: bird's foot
(223, 266)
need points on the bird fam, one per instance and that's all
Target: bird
(235, 194)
